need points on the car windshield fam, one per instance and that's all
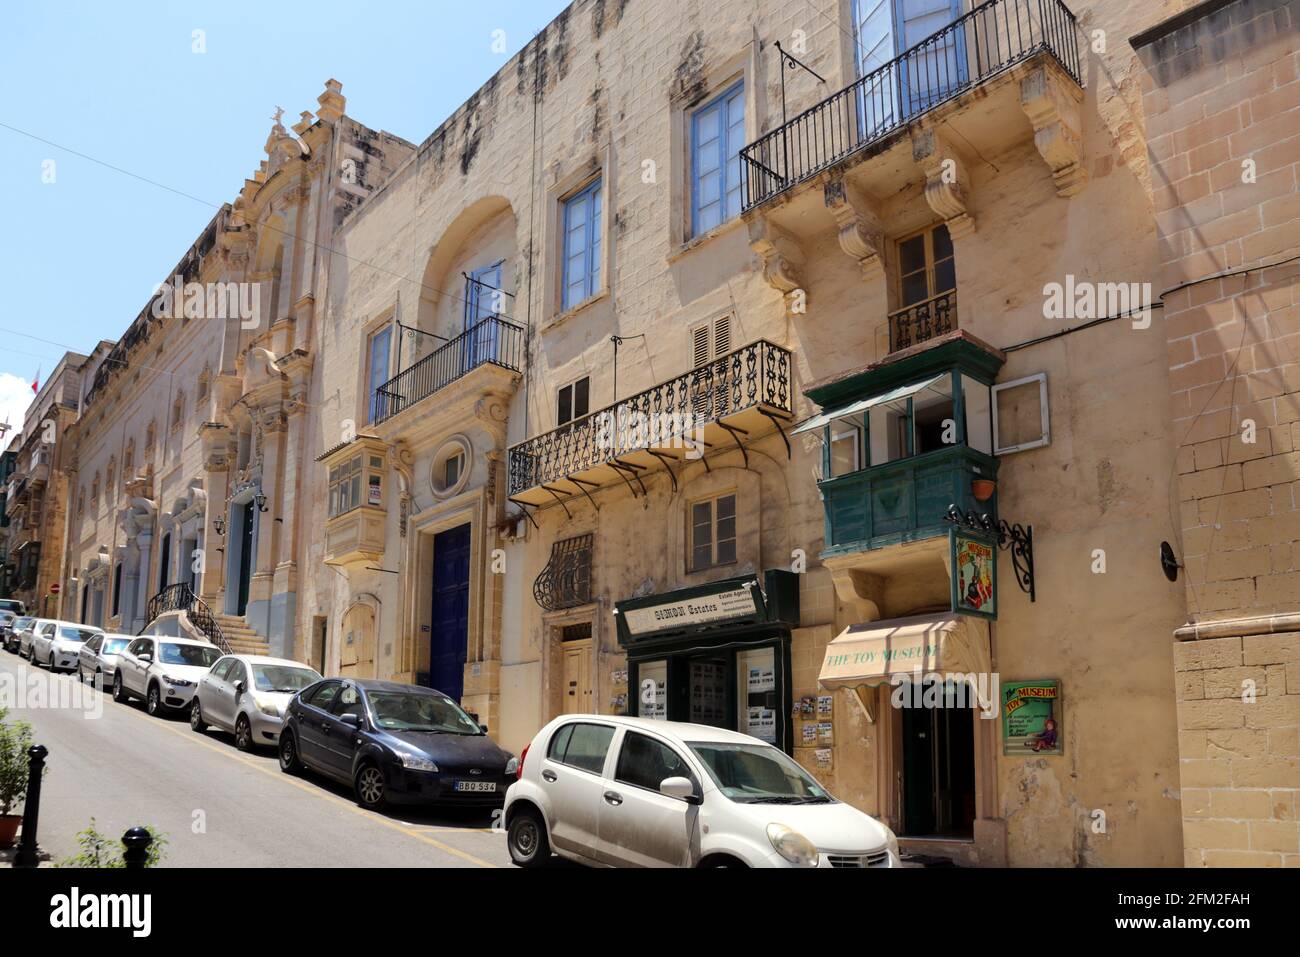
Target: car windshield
(76, 634)
(22, 623)
(113, 646)
(282, 678)
(758, 774)
(406, 711)
(197, 656)
(8, 604)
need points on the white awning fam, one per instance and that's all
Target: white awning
(873, 652)
(862, 405)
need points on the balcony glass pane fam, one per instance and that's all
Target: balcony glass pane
(979, 418)
(846, 445)
(932, 411)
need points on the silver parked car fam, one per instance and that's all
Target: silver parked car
(162, 670)
(248, 694)
(58, 644)
(98, 658)
(7, 618)
(11, 636)
(29, 633)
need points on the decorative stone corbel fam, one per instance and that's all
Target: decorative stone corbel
(781, 256)
(945, 180)
(1052, 106)
(860, 231)
(861, 591)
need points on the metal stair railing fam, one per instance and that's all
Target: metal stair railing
(180, 597)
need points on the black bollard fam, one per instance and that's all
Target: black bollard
(28, 853)
(136, 841)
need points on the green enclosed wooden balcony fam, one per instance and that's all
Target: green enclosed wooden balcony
(906, 500)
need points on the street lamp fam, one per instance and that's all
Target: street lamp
(219, 526)
(260, 500)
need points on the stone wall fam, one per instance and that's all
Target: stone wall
(1239, 743)
(1223, 103)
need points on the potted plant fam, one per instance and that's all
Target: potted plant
(15, 739)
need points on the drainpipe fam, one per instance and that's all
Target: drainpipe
(1239, 627)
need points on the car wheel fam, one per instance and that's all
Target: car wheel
(243, 734)
(290, 763)
(119, 693)
(50, 664)
(527, 840)
(196, 717)
(153, 701)
(370, 788)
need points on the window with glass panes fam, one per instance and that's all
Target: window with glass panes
(582, 245)
(713, 532)
(573, 401)
(925, 266)
(717, 137)
(345, 486)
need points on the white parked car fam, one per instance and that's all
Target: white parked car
(98, 658)
(162, 670)
(57, 644)
(631, 792)
(248, 694)
(27, 634)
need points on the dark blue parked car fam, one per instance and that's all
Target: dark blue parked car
(395, 744)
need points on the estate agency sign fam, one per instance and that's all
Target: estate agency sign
(733, 604)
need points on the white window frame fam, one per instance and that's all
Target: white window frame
(1045, 438)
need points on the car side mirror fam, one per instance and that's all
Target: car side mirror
(681, 788)
(351, 720)
(240, 687)
(483, 728)
(146, 657)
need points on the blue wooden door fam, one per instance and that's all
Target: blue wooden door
(873, 25)
(450, 626)
(936, 70)
(482, 302)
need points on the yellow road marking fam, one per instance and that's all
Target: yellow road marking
(304, 786)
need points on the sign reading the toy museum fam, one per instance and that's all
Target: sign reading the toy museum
(1031, 717)
(736, 603)
(974, 574)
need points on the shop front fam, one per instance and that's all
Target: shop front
(715, 654)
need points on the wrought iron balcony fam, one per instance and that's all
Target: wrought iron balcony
(494, 341)
(922, 321)
(904, 500)
(970, 50)
(724, 401)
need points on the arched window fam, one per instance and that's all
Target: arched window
(128, 461)
(81, 501)
(94, 492)
(109, 480)
(205, 381)
(150, 439)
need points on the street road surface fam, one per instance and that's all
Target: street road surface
(218, 807)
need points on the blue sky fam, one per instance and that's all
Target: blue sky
(121, 83)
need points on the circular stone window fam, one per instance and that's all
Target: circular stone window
(451, 467)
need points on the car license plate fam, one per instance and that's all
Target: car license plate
(476, 786)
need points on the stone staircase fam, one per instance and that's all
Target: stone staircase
(242, 639)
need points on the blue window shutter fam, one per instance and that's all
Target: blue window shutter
(582, 245)
(717, 137)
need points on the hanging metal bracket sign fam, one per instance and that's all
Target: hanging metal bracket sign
(1013, 537)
